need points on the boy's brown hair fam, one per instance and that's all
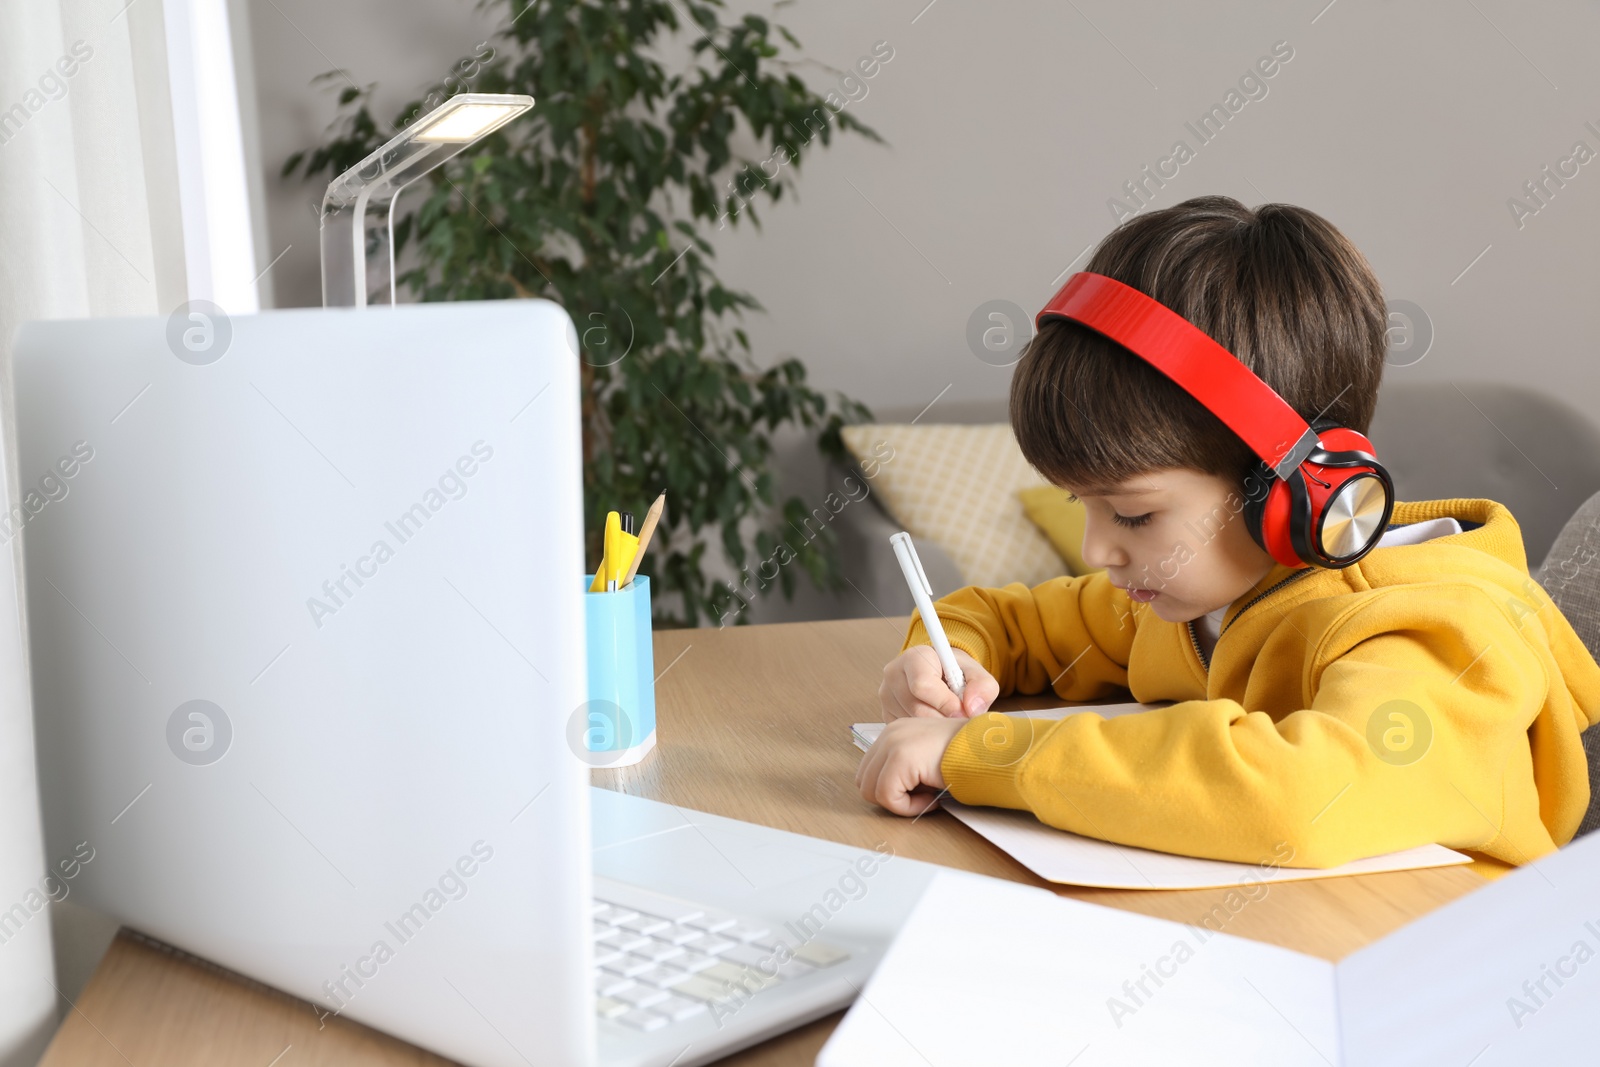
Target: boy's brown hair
(1277, 286)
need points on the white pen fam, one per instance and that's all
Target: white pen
(922, 593)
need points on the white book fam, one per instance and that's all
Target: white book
(992, 972)
(1071, 859)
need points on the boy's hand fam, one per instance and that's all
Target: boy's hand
(905, 758)
(913, 684)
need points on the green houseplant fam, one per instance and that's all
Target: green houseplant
(599, 199)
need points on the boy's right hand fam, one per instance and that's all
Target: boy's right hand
(913, 684)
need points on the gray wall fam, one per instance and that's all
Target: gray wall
(1011, 125)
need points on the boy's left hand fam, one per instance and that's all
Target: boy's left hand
(906, 757)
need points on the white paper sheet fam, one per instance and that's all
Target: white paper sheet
(989, 972)
(1506, 976)
(1058, 856)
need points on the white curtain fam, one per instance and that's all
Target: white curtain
(89, 226)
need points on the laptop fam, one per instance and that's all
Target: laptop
(305, 625)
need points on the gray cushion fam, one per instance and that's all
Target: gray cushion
(1571, 575)
(1531, 452)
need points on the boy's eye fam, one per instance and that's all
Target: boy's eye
(1130, 521)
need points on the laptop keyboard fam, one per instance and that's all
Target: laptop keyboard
(659, 960)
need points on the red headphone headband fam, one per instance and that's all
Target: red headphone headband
(1179, 349)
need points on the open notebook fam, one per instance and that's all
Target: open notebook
(1060, 856)
(1505, 976)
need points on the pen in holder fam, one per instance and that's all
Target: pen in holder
(619, 722)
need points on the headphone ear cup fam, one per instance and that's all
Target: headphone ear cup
(1261, 483)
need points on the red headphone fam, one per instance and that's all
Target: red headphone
(1321, 497)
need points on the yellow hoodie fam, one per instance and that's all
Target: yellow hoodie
(1429, 693)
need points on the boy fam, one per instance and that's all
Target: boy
(1428, 691)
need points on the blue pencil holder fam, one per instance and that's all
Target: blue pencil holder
(620, 718)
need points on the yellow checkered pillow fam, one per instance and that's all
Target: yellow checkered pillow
(957, 486)
(1061, 520)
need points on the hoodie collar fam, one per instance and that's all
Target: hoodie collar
(1487, 526)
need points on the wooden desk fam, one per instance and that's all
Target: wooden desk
(754, 724)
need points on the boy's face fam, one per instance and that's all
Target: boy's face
(1175, 539)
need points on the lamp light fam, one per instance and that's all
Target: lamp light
(375, 183)
(466, 123)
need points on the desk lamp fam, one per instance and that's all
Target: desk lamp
(376, 182)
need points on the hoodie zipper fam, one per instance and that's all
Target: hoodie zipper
(1194, 638)
(1295, 577)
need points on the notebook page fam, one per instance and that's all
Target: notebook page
(1505, 976)
(989, 972)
